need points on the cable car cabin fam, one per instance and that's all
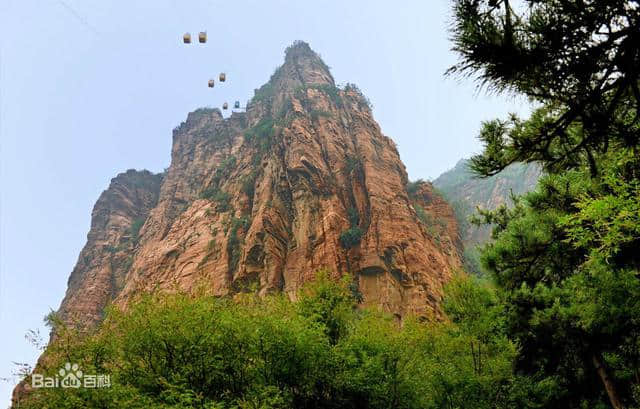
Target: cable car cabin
(202, 37)
(236, 105)
(210, 83)
(225, 106)
(186, 38)
(223, 77)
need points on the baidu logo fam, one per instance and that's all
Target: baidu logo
(71, 376)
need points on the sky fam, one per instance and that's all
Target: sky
(92, 88)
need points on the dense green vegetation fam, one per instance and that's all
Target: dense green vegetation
(199, 351)
(261, 134)
(353, 235)
(565, 258)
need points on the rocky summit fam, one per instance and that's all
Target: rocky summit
(303, 181)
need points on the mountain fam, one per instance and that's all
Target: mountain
(302, 181)
(466, 192)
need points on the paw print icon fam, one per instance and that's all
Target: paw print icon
(71, 376)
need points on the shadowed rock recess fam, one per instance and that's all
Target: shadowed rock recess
(302, 181)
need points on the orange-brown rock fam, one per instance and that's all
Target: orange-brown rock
(103, 262)
(303, 180)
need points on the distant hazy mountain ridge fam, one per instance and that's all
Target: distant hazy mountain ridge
(466, 192)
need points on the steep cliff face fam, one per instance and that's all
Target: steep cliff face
(466, 192)
(303, 180)
(103, 262)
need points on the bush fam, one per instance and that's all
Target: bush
(197, 351)
(351, 237)
(413, 187)
(353, 216)
(135, 229)
(249, 184)
(332, 91)
(349, 87)
(261, 135)
(234, 243)
(222, 198)
(353, 164)
(429, 222)
(264, 93)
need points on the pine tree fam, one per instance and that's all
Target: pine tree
(566, 256)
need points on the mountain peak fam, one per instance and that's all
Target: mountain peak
(299, 48)
(305, 65)
(304, 181)
(302, 66)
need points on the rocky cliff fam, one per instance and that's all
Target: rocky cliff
(105, 259)
(302, 181)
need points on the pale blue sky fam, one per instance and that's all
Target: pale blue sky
(91, 88)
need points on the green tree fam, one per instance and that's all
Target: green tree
(198, 351)
(578, 58)
(566, 255)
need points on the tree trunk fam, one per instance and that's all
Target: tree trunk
(607, 382)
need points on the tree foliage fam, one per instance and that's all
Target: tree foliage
(577, 58)
(198, 351)
(565, 256)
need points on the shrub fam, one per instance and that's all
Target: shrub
(351, 237)
(264, 93)
(261, 134)
(332, 91)
(349, 87)
(222, 198)
(199, 351)
(423, 216)
(224, 169)
(354, 164)
(234, 242)
(248, 184)
(353, 216)
(413, 187)
(429, 222)
(135, 229)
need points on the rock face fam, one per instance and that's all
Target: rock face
(104, 261)
(302, 181)
(466, 192)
